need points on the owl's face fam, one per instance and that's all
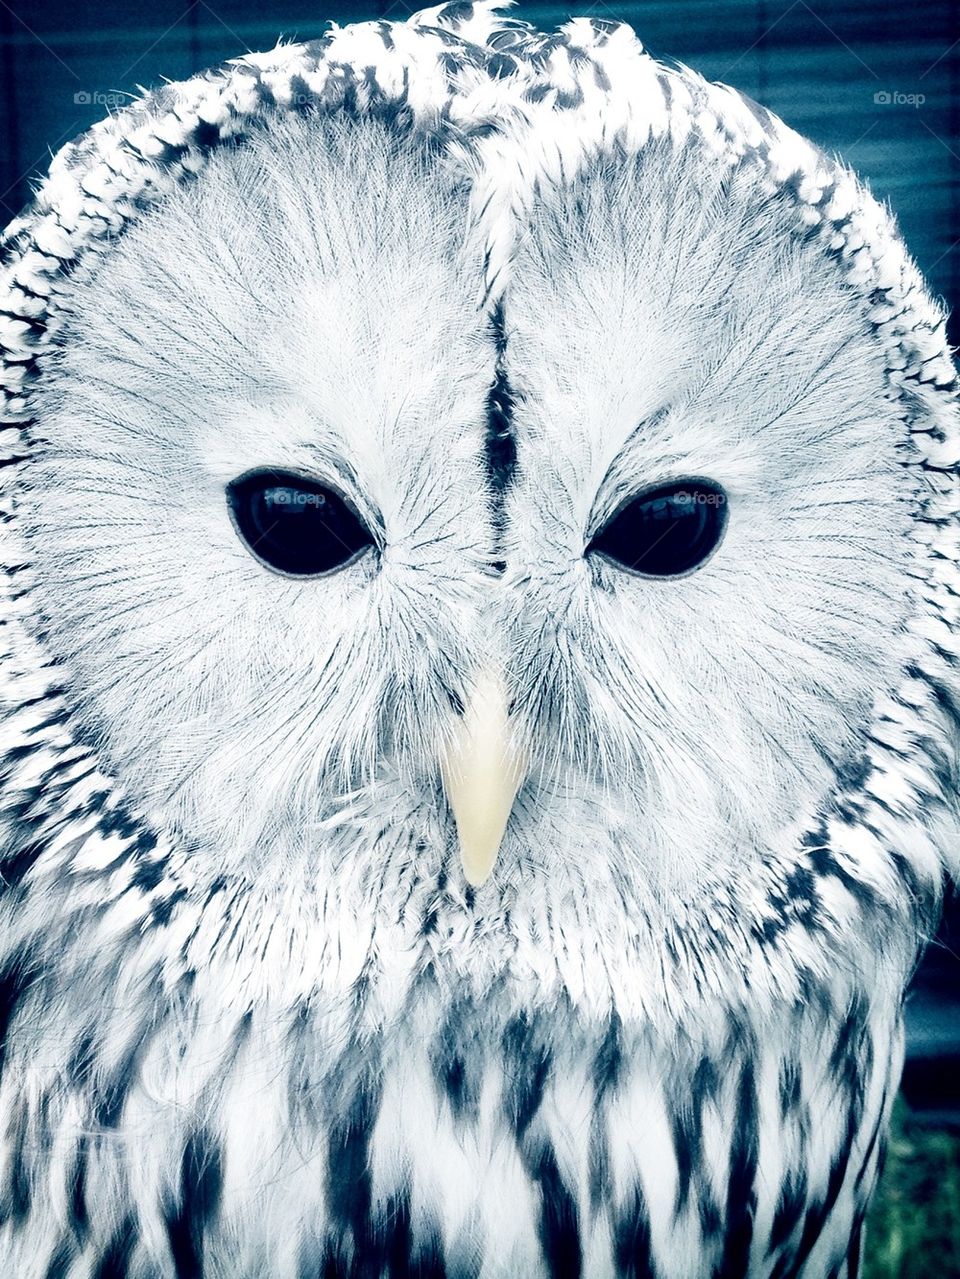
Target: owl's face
(281, 543)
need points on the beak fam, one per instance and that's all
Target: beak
(482, 769)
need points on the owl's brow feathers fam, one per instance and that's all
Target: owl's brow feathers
(500, 442)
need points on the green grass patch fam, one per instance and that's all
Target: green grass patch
(913, 1229)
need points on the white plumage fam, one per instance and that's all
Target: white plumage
(477, 293)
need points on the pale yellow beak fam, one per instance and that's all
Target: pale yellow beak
(482, 770)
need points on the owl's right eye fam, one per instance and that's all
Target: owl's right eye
(667, 531)
(294, 525)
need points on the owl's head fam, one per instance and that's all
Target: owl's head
(509, 446)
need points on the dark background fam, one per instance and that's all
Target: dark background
(832, 70)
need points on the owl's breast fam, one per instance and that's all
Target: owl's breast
(469, 1135)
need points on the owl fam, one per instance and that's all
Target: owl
(479, 673)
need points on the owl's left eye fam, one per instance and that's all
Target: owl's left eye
(666, 531)
(294, 525)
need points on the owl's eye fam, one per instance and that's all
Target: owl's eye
(666, 531)
(294, 525)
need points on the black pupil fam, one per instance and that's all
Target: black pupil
(294, 525)
(666, 531)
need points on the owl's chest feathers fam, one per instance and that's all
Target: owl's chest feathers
(205, 1083)
(539, 1084)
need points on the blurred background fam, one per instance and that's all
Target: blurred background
(875, 80)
